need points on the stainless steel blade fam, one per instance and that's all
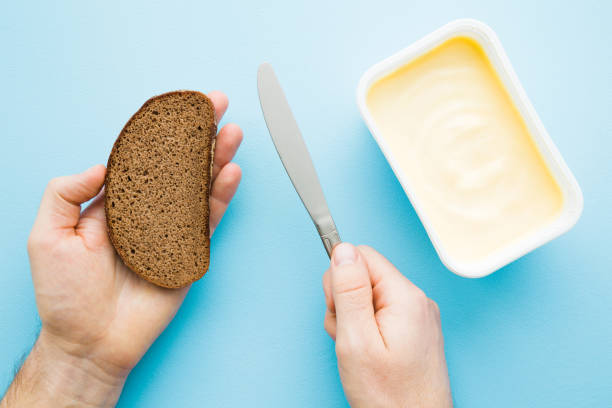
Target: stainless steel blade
(293, 153)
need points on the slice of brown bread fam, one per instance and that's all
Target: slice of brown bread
(157, 188)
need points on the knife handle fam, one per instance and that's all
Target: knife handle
(330, 240)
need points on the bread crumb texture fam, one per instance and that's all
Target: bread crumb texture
(157, 189)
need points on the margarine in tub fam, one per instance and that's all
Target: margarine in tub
(488, 186)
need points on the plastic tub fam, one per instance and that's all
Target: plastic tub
(572, 195)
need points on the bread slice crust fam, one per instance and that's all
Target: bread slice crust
(158, 184)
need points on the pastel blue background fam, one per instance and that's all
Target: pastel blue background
(537, 333)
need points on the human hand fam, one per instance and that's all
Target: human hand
(98, 318)
(388, 334)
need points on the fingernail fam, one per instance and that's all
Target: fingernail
(344, 254)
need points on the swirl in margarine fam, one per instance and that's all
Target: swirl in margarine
(464, 150)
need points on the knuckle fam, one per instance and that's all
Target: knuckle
(346, 349)
(325, 278)
(32, 242)
(352, 289)
(54, 183)
(40, 242)
(419, 304)
(328, 325)
(356, 348)
(329, 303)
(434, 307)
(365, 249)
(356, 297)
(420, 298)
(35, 242)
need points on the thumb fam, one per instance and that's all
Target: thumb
(60, 206)
(351, 290)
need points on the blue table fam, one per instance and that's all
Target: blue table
(536, 333)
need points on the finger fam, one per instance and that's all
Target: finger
(95, 210)
(401, 308)
(220, 102)
(352, 293)
(60, 206)
(327, 291)
(389, 286)
(92, 224)
(228, 141)
(330, 324)
(223, 190)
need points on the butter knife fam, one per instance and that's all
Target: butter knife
(292, 151)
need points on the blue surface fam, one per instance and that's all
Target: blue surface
(536, 333)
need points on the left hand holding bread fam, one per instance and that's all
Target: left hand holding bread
(98, 317)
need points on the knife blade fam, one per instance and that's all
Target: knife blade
(294, 155)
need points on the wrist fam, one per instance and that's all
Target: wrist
(54, 375)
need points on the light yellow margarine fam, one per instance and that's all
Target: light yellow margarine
(464, 150)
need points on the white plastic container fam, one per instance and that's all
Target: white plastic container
(572, 195)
